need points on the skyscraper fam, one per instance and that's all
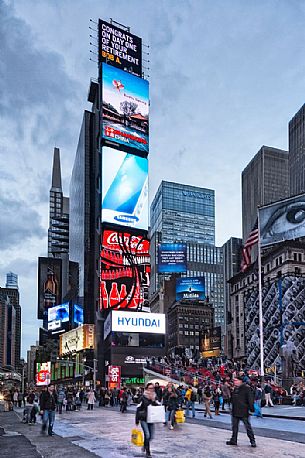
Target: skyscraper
(264, 180)
(11, 280)
(296, 130)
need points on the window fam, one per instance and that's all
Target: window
(300, 257)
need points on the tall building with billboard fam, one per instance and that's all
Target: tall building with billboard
(296, 130)
(264, 180)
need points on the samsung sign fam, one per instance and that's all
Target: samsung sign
(151, 323)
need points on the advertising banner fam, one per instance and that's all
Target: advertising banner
(58, 315)
(78, 314)
(120, 48)
(114, 377)
(49, 284)
(125, 111)
(124, 189)
(125, 270)
(283, 220)
(78, 339)
(43, 374)
(153, 323)
(172, 258)
(191, 288)
(210, 342)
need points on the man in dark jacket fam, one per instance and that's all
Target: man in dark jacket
(242, 403)
(48, 401)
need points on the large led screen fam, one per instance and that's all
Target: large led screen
(125, 270)
(58, 315)
(283, 220)
(172, 258)
(49, 284)
(191, 288)
(119, 48)
(43, 374)
(78, 314)
(125, 110)
(124, 189)
(210, 342)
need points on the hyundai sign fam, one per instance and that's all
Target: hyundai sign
(151, 323)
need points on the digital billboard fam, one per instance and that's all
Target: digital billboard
(210, 342)
(43, 374)
(150, 323)
(124, 189)
(78, 339)
(172, 258)
(119, 48)
(125, 111)
(283, 220)
(78, 314)
(58, 315)
(49, 284)
(125, 270)
(191, 288)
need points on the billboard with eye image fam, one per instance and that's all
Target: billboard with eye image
(283, 220)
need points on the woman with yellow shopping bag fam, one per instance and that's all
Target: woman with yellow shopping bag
(148, 399)
(137, 437)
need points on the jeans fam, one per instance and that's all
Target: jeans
(188, 405)
(60, 407)
(48, 416)
(148, 430)
(235, 425)
(171, 416)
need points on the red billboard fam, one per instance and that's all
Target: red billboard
(114, 377)
(125, 270)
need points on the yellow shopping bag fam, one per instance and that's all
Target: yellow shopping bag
(137, 437)
(179, 416)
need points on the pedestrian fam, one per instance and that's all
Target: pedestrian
(149, 398)
(124, 400)
(226, 394)
(242, 404)
(257, 401)
(158, 391)
(60, 399)
(172, 407)
(20, 399)
(216, 398)
(268, 391)
(48, 401)
(91, 399)
(200, 394)
(190, 398)
(207, 396)
(15, 398)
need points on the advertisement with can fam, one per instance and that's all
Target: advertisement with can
(49, 284)
(119, 47)
(124, 189)
(43, 374)
(172, 258)
(190, 288)
(283, 220)
(125, 270)
(125, 111)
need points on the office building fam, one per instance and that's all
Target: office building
(186, 321)
(231, 250)
(14, 318)
(264, 180)
(7, 332)
(58, 233)
(31, 360)
(287, 261)
(296, 129)
(11, 280)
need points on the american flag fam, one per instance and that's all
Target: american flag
(246, 251)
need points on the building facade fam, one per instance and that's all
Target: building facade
(264, 180)
(296, 129)
(8, 341)
(287, 262)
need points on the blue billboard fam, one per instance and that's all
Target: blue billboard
(125, 111)
(124, 189)
(191, 288)
(58, 315)
(172, 258)
(78, 314)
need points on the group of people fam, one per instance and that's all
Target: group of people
(297, 392)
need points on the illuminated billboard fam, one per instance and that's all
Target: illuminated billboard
(78, 314)
(43, 374)
(172, 258)
(283, 220)
(119, 47)
(125, 111)
(49, 284)
(139, 322)
(124, 189)
(210, 342)
(57, 316)
(78, 339)
(125, 270)
(191, 288)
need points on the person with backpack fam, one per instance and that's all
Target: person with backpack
(190, 398)
(207, 396)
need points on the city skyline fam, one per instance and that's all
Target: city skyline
(50, 82)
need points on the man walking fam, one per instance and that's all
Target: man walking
(48, 401)
(242, 403)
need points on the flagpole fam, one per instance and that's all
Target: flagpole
(260, 302)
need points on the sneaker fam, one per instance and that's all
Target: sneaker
(231, 443)
(171, 427)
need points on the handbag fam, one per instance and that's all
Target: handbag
(137, 437)
(155, 414)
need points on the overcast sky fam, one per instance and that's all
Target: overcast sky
(225, 78)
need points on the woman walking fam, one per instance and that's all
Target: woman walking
(91, 399)
(148, 398)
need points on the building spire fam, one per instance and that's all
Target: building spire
(56, 172)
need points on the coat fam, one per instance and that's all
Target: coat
(242, 401)
(91, 397)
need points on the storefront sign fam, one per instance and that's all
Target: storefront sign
(114, 376)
